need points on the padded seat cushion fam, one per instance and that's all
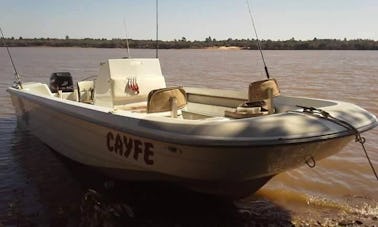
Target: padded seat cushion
(159, 100)
(257, 90)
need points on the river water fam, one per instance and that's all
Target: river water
(37, 186)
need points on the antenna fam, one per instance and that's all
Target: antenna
(18, 79)
(127, 39)
(257, 38)
(157, 28)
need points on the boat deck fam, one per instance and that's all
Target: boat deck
(202, 103)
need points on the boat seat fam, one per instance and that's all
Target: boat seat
(264, 91)
(85, 91)
(166, 99)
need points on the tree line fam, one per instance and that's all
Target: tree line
(183, 43)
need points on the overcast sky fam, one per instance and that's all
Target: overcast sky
(193, 19)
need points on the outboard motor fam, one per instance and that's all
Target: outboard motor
(61, 81)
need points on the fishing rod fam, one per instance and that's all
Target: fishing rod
(257, 38)
(157, 28)
(18, 79)
(127, 39)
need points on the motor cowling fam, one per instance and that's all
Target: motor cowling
(61, 81)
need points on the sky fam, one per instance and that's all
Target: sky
(192, 19)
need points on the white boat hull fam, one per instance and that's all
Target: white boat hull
(128, 124)
(226, 170)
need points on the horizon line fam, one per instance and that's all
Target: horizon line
(183, 38)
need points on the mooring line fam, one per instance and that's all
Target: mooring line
(325, 115)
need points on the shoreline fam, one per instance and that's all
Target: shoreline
(224, 48)
(230, 44)
(205, 49)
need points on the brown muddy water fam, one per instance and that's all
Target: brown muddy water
(39, 187)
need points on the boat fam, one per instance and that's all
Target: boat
(127, 124)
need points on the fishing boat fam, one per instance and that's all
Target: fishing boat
(126, 123)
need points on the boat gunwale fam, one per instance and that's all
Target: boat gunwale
(194, 141)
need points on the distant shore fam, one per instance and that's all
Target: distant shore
(208, 43)
(224, 48)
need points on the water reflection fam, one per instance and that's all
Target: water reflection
(41, 189)
(52, 190)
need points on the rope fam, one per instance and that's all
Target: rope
(362, 140)
(325, 115)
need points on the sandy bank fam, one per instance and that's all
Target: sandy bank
(224, 48)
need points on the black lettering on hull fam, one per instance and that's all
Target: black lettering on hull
(128, 147)
(110, 141)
